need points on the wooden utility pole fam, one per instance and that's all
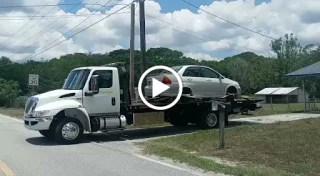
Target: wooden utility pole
(132, 90)
(142, 40)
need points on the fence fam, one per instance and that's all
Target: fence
(312, 104)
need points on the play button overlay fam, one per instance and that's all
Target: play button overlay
(159, 87)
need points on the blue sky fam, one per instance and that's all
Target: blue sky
(166, 5)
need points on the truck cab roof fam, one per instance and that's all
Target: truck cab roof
(91, 67)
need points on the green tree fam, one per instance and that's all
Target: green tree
(9, 90)
(289, 52)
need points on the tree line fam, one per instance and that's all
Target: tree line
(252, 71)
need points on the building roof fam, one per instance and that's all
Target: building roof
(308, 71)
(277, 91)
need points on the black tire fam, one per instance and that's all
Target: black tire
(49, 134)
(75, 124)
(187, 90)
(231, 91)
(208, 120)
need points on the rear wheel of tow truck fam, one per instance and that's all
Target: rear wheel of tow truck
(49, 134)
(208, 121)
(68, 131)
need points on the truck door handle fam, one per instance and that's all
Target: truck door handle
(113, 101)
(209, 80)
(189, 79)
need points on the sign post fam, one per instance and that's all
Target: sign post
(223, 108)
(221, 128)
(33, 82)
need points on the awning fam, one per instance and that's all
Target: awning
(308, 71)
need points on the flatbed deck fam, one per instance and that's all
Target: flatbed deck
(233, 103)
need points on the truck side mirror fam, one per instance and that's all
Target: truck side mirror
(95, 84)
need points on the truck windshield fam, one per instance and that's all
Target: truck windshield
(76, 79)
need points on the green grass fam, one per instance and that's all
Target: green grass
(275, 149)
(268, 109)
(13, 112)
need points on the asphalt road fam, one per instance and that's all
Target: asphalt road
(27, 153)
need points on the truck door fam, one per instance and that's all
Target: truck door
(107, 101)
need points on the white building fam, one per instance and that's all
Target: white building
(282, 95)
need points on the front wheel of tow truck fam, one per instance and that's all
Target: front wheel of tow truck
(49, 134)
(68, 131)
(208, 121)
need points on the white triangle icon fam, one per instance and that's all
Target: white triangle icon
(158, 87)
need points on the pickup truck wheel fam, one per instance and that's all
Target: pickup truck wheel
(47, 134)
(208, 120)
(69, 131)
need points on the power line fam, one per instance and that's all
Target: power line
(233, 23)
(44, 5)
(50, 33)
(205, 36)
(48, 24)
(31, 26)
(187, 33)
(81, 30)
(21, 27)
(20, 17)
(63, 26)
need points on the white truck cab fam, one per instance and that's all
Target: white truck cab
(89, 98)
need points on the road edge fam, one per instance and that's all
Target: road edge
(11, 118)
(6, 169)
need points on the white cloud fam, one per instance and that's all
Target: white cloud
(201, 56)
(199, 35)
(216, 45)
(97, 48)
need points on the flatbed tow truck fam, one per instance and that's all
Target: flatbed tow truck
(97, 98)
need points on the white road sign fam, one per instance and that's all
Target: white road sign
(33, 80)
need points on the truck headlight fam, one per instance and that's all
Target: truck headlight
(41, 113)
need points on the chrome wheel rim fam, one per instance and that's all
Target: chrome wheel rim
(211, 119)
(70, 131)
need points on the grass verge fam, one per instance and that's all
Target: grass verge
(13, 112)
(268, 109)
(286, 148)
